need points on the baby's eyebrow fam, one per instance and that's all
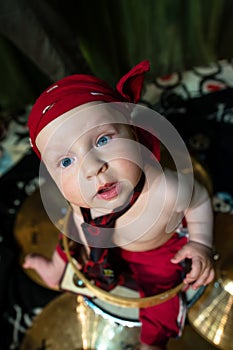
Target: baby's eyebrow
(51, 154)
(105, 125)
(108, 125)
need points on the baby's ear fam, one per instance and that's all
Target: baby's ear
(131, 84)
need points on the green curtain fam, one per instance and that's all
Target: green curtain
(174, 35)
(106, 38)
(21, 80)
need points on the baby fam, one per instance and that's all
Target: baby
(109, 172)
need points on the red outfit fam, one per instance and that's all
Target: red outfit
(154, 274)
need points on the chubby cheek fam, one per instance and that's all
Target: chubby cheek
(70, 188)
(125, 149)
(128, 170)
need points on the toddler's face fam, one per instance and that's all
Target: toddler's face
(92, 155)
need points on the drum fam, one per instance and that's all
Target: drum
(73, 322)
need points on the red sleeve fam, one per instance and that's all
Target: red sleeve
(60, 249)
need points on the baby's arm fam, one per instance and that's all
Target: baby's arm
(199, 219)
(50, 270)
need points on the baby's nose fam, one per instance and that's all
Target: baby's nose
(94, 167)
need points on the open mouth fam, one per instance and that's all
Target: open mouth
(108, 191)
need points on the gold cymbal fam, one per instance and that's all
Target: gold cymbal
(201, 174)
(69, 323)
(212, 315)
(223, 241)
(34, 232)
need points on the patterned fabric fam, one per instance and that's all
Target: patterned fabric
(99, 239)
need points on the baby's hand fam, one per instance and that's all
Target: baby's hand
(202, 270)
(50, 271)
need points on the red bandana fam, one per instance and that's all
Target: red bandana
(75, 90)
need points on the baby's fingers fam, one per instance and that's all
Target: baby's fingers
(179, 256)
(206, 278)
(193, 275)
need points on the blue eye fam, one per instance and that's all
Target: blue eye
(103, 140)
(65, 162)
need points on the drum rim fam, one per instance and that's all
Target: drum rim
(110, 316)
(130, 302)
